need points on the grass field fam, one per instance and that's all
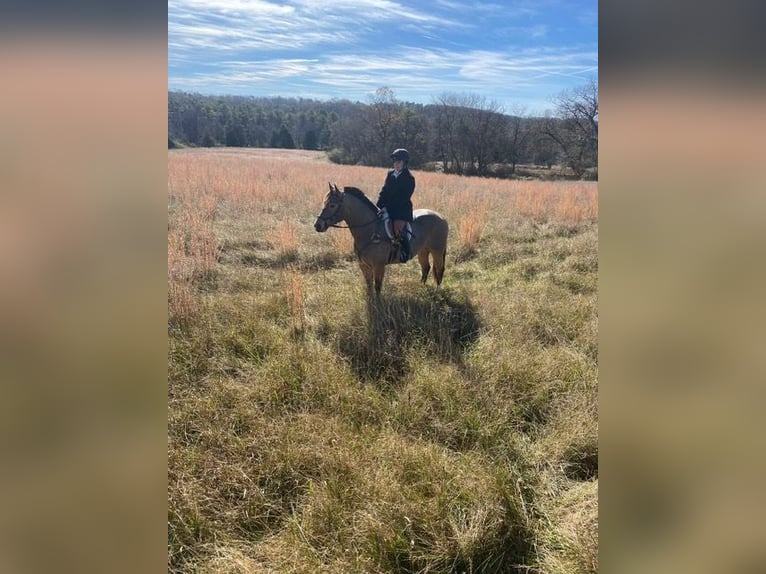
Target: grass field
(451, 431)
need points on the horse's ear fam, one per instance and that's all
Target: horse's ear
(335, 188)
(330, 184)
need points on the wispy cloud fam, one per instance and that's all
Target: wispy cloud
(262, 25)
(348, 48)
(252, 7)
(412, 71)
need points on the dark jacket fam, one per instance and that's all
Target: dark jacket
(396, 193)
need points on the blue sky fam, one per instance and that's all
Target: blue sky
(517, 53)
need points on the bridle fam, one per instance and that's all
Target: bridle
(328, 218)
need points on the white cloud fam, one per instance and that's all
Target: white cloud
(368, 10)
(246, 25)
(342, 48)
(413, 73)
(247, 7)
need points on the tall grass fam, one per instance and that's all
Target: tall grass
(312, 431)
(286, 240)
(295, 300)
(474, 215)
(192, 246)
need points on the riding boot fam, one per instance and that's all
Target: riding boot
(404, 253)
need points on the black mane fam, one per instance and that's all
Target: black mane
(359, 194)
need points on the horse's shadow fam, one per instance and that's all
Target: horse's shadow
(380, 339)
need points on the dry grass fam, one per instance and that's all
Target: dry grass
(310, 432)
(261, 187)
(286, 240)
(295, 300)
(472, 221)
(343, 243)
(192, 246)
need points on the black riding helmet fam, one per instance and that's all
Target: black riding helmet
(401, 154)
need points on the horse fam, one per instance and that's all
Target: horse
(372, 244)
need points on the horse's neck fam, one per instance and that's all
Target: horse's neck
(358, 216)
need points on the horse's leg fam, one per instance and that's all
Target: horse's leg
(367, 272)
(425, 266)
(439, 257)
(378, 272)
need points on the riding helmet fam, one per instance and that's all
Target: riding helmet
(401, 154)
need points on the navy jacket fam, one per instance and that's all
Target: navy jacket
(396, 193)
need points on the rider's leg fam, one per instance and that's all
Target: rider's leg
(401, 233)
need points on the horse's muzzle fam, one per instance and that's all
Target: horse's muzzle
(320, 225)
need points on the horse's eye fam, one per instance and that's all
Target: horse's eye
(332, 205)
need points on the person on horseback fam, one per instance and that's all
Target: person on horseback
(395, 198)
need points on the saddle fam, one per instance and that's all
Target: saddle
(396, 255)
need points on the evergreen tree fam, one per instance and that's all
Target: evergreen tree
(284, 139)
(207, 140)
(310, 140)
(235, 135)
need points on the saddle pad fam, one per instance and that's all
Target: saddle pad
(387, 224)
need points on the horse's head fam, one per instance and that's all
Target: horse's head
(332, 210)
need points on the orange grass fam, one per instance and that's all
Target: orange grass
(286, 240)
(342, 241)
(474, 215)
(293, 287)
(279, 195)
(192, 246)
(181, 268)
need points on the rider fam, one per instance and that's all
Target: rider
(395, 197)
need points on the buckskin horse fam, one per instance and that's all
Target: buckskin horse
(373, 244)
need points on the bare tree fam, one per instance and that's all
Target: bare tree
(485, 126)
(468, 129)
(351, 139)
(447, 127)
(575, 130)
(411, 132)
(515, 139)
(383, 115)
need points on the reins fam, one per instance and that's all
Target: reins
(354, 226)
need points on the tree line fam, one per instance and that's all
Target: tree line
(456, 133)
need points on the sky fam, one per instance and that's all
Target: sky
(518, 54)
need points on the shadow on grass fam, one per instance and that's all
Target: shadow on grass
(381, 337)
(581, 462)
